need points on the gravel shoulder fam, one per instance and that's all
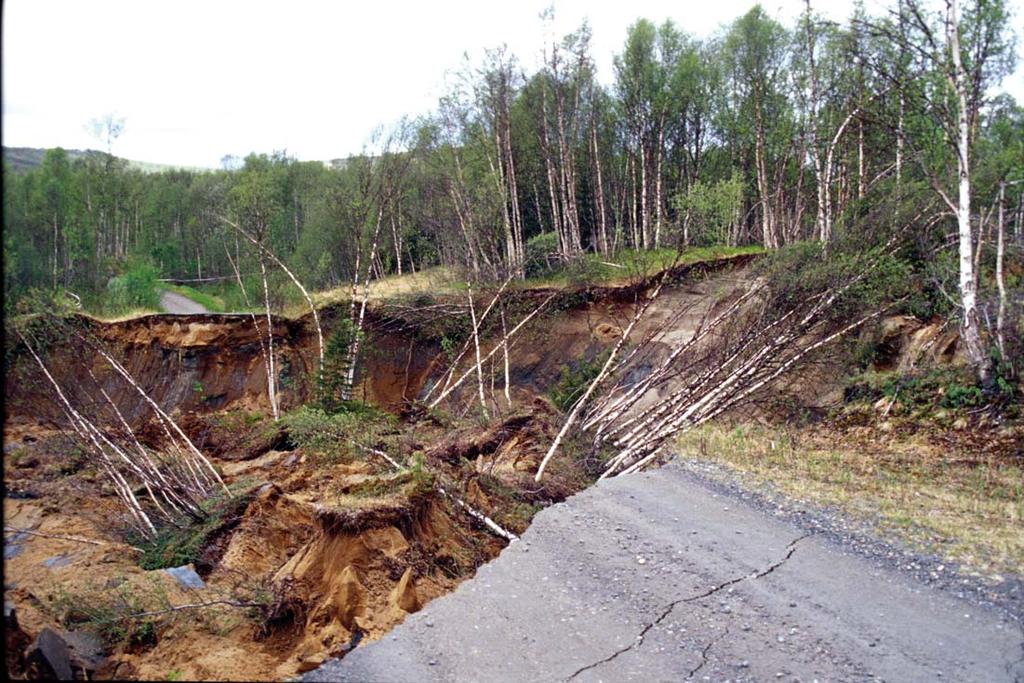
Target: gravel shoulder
(669, 575)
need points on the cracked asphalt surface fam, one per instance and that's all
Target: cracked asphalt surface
(658, 577)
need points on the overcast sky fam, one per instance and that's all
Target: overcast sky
(198, 79)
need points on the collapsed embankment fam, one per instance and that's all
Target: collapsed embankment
(324, 544)
(213, 362)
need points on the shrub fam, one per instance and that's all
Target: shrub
(575, 380)
(541, 254)
(961, 396)
(110, 613)
(333, 380)
(329, 434)
(176, 546)
(134, 288)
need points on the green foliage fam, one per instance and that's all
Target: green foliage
(937, 387)
(574, 380)
(109, 614)
(175, 546)
(448, 348)
(422, 478)
(707, 211)
(333, 383)
(135, 288)
(722, 122)
(959, 395)
(799, 272)
(542, 254)
(330, 435)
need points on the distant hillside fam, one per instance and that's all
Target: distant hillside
(21, 159)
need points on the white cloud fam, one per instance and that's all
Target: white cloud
(197, 79)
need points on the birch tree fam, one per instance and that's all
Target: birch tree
(961, 54)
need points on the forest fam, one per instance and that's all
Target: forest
(775, 272)
(762, 135)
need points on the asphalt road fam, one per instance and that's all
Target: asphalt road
(172, 302)
(656, 577)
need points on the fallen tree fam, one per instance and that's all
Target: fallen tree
(176, 477)
(799, 301)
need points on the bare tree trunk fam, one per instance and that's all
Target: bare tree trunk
(633, 223)
(272, 377)
(608, 364)
(824, 234)
(768, 234)
(504, 349)
(645, 215)
(397, 243)
(465, 347)
(501, 344)
(900, 140)
(255, 323)
(476, 345)
(862, 180)
(263, 249)
(517, 218)
(602, 223)
(1000, 250)
(55, 243)
(970, 325)
(658, 154)
(353, 350)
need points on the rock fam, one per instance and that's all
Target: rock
(86, 651)
(15, 642)
(115, 670)
(403, 595)
(13, 545)
(48, 656)
(310, 663)
(57, 561)
(186, 576)
(348, 602)
(959, 423)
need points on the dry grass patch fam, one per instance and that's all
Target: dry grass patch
(940, 492)
(436, 280)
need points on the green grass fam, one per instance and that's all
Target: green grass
(211, 303)
(626, 266)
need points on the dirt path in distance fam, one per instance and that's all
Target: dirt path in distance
(179, 305)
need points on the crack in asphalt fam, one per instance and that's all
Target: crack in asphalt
(704, 654)
(790, 549)
(1020, 662)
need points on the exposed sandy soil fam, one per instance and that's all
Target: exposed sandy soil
(321, 550)
(317, 573)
